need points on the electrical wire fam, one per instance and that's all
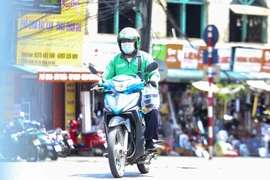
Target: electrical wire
(124, 8)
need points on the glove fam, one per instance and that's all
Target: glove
(154, 80)
(153, 83)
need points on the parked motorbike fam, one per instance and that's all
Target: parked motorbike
(93, 142)
(18, 140)
(8, 148)
(48, 147)
(29, 144)
(63, 138)
(124, 120)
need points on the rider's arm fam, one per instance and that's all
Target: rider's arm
(109, 72)
(154, 75)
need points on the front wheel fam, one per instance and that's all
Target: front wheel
(54, 155)
(143, 168)
(66, 150)
(43, 153)
(117, 159)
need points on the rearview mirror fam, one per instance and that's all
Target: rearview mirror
(81, 116)
(92, 69)
(152, 66)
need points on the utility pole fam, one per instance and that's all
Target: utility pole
(146, 25)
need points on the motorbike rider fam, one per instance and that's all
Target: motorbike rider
(126, 62)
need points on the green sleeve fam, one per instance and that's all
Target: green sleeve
(154, 75)
(109, 70)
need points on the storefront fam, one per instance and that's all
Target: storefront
(186, 104)
(54, 95)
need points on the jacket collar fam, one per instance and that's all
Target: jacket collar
(136, 54)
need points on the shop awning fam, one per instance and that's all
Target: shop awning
(183, 75)
(59, 73)
(249, 10)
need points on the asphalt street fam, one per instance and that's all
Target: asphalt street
(87, 168)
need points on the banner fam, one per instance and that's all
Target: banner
(51, 40)
(247, 60)
(38, 6)
(189, 60)
(95, 52)
(70, 102)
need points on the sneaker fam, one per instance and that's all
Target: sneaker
(150, 146)
(105, 154)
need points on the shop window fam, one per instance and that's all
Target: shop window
(193, 22)
(106, 11)
(248, 21)
(254, 28)
(174, 10)
(191, 25)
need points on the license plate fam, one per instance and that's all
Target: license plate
(36, 142)
(48, 141)
(49, 147)
(70, 142)
(60, 138)
(57, 148)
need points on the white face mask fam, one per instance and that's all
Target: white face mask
(128, 47)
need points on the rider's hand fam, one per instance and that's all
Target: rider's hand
(98, 88)
(153, 83)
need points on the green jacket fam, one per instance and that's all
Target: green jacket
(120, 65)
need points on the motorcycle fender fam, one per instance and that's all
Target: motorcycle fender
(118, 120)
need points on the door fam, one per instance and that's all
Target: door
(59, 105)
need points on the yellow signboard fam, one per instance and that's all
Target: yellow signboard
(70, 102)
(52, 39)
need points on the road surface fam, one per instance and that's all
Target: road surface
(174, 168)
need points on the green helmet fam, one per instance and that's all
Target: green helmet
(129, 33)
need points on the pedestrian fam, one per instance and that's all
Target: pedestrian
(127, 62)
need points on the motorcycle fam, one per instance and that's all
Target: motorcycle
(63, 138)
(48, 147)
(19, 141)
(93, 142)
(8, 148)
(29, 144)
(125, 122)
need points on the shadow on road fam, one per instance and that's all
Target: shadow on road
(109, 175)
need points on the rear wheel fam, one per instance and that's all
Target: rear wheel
(117, 159)
(32, 155)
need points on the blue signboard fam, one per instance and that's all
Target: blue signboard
(215, 34)
(214, 56)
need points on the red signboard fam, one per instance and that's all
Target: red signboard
(66, 77)
(266, 61)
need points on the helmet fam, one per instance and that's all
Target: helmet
(129, 33)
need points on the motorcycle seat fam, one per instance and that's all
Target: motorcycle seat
(88, 133)
(50, 131)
